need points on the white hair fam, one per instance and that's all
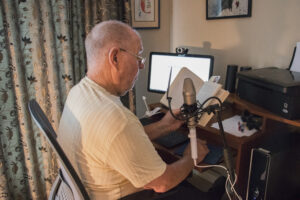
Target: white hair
(106, 34)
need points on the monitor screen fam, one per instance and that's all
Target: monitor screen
(161, 63)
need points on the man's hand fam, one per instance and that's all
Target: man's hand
(201, 148)
(177, 171)
(170, 122)
(164, 126)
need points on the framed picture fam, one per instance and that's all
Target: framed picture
(220, 9)
(145, 14)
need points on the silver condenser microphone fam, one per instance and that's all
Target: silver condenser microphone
(190, 106)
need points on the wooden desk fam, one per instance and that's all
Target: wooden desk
(242, 145)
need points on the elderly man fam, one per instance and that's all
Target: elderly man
(105, 142)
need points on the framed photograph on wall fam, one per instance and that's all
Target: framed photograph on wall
(220, 9)
(145, 14)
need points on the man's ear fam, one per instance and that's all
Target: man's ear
(113, 57)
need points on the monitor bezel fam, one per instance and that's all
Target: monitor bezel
(176, 55)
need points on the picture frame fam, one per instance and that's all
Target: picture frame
(220, 9)
(145, 14)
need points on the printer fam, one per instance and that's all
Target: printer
(277, 90)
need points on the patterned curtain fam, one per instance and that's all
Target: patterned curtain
(41, 56)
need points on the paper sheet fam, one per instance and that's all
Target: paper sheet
(296, 62)
(231, 126)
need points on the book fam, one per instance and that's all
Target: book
(204, 90)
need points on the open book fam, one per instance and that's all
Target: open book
(203, 90)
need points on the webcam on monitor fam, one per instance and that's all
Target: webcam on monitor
(182, 50)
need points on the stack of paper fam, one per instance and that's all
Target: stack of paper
(231, 126)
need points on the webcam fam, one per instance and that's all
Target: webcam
(181, 50)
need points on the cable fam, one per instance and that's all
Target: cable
(198, 111)
(171, 111)
(228, 182)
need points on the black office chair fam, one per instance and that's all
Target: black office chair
(67, 184)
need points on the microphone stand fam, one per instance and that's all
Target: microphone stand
(226, 149)
(216, 109)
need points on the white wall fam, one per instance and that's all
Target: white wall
(267, 38)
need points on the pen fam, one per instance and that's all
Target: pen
(241, 127)
(147, 108)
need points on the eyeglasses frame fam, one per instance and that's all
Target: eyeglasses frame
(141, 59)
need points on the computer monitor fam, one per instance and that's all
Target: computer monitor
(161, 63)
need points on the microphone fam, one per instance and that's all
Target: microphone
(190, 108)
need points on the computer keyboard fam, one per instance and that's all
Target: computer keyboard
(149, 120)
(172, 139)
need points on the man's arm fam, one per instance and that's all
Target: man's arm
(177, 171)
(167, 124)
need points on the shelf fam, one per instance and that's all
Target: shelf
(243, 104)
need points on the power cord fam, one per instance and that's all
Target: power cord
(229, 183)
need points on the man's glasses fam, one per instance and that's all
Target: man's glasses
(139, 58)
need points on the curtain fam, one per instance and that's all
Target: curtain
(41, 56)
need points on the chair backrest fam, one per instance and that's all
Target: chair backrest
(67, 169)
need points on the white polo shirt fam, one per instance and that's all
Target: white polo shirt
(106, 143)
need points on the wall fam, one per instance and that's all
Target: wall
(267, 38)
(153, 40)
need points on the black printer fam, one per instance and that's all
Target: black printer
(277, 90)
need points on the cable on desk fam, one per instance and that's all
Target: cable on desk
(229, 183)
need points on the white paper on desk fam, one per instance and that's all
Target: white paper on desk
(296, 61)
(231, 126)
